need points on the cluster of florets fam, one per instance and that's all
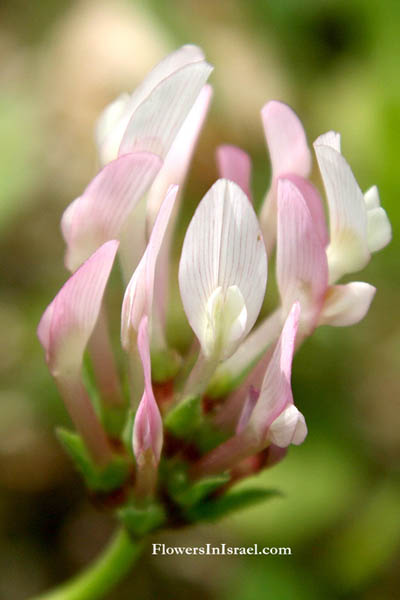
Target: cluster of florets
(194, 424)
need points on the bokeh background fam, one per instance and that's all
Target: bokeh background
(337, 64)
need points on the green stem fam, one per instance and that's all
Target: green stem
(99, 578)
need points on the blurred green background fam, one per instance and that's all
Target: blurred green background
(337, 64)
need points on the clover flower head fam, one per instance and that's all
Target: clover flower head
(190, 420)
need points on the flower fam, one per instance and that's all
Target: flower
(229, 399)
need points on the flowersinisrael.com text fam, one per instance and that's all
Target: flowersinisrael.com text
(221, 549)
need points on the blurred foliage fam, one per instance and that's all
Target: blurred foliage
(336, 62)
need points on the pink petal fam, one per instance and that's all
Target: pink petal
(235, 164)
(68, 322)
(98, 215)
(347, 304)
(138, 299)
(148, 429)
(248, 406)
(289, 154)
(314, 204)
(276, 392)
(286, 139)
(302, 270)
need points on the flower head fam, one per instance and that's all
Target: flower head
(227, 401)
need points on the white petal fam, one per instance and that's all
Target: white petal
(331, 139)
(110, 127)
(223, 247)
(289, 428)
(113, 122)
(156, 121)
(348, 250)
(379, 229)
(371, 197)
(347, 304)
(177, 161)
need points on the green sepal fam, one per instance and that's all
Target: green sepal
(217, 508)
(165, 365)
(127, 432)
(182, 490)
(201, 489)
(90, 384)
(97, 479)
(223, 382)
(114, 419)
(141, 520)
(183, 420)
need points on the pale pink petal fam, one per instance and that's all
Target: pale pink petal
(348, 249)
(314, 204)
(289, 154)
(177, 161)
(148, 428)
(69, 320)
(155, 123)
(110, 127)
(302, 270)
(248, 406)
(235, 164)
(286, 139)
(174, 171)
(138, 299)
(289, 428)
(347, 304)
(276, 392)
(223, 264)
(114, 120)
(98, 215)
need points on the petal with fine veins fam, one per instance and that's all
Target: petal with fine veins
(348, 250)
(114, 120)
(223, 248)
(68, 322)
(138, 299)
(177, 161)
(235, 164)
(302, 270)
(155, 123)
(98, 215)
(347, 304)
